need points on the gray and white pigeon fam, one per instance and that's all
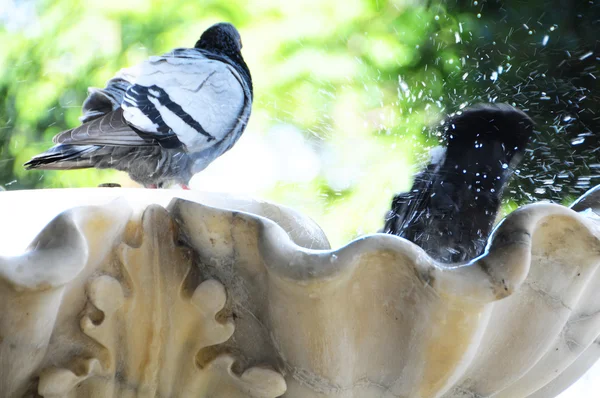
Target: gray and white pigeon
(164, 120)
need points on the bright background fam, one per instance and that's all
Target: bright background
(347, 92)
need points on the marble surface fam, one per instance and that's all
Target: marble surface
(179, 293)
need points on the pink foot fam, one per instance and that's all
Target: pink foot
(185, 188)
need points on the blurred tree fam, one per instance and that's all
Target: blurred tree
(541, 56)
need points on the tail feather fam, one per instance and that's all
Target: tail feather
(64, 157)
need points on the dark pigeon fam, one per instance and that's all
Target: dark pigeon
(164, 120)
(452, 205)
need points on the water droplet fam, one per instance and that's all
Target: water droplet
(504, 166)
(437, 17)
(578, 141)
(545, 40)
(478, 15)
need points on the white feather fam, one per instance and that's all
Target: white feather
(137, 118)
(437, 154)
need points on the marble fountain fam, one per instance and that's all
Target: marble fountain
(120, 292)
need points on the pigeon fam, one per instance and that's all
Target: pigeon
(164, 120)
(453, 203)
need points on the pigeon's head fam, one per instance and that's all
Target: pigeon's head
(490, 124)
(221, 38)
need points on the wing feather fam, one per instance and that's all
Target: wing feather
(111, 129)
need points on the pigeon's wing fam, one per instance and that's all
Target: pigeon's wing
(102, 121)
(181, 99)
(408, 208)
(186, 99)
(111, 130)
(101, 101)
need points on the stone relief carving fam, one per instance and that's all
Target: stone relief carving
(247, 300)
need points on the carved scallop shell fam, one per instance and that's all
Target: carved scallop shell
(200, 301)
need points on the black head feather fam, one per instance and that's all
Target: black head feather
(485, 123)
(222, 38)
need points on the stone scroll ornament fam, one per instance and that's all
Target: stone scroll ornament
(223, 297)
